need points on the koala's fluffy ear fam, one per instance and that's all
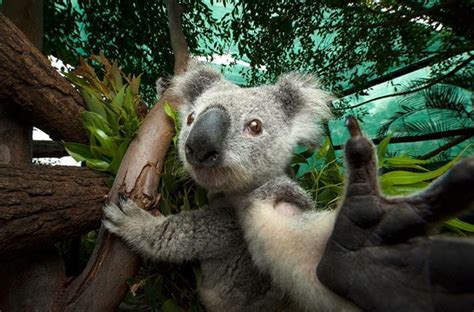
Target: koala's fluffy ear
(195, 81)
(305, 105)
(299, 92)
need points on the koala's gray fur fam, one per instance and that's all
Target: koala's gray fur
(230, 280)
(248, 182)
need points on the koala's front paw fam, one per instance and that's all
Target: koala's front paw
(126, 219)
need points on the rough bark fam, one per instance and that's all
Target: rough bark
(112, 263)
(28, 81)
(40, 205)
(15, 135)
(30, 283)
(41, 274)
(48, 149)
(27, 15)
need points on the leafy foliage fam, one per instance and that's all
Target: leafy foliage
(134, 32)
(445, 104)
(345, 43)
(321, 173)
(111, 119)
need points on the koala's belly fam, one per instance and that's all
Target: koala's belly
(233, 283)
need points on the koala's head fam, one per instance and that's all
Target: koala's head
(235, 138)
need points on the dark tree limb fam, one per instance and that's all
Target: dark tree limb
(429, 84)
(48, 149)
(446, 146)
(28, 81)
(30, 283)
(423, 137)
(15, 134)
(112, 263)
(40, 205)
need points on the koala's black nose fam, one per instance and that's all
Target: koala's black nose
(205, 141)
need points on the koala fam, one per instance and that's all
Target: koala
(232, 140)
(261, 244)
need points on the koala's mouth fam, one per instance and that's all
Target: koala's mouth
(218, 178)
(210, 177)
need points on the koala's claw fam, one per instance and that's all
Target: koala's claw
(119, 219)
(122, 197)
(353, 126)
(114, 214)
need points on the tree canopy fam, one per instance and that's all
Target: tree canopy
(348, 45)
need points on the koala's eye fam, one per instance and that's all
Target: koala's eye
(254, 127)
(190, 118)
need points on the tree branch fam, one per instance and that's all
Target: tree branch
(426, 86)
(424, 137)
(112, 263)
(48, 149)
(40, 205)
(446, 146)
(178, 41)
(28, 80)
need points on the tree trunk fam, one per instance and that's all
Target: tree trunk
(28, 81)
(27, 282)
(41, 205)
(54, 106)
(15, 135)
(112, 263)
(31, 283)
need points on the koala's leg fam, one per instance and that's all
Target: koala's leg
(192, 235)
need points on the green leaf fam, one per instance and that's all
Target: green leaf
(128, 104)
(95, 120)
(406, 160)
(464, 226)
(169, 111)
(135, 85)
(105, 140)
(325, 149)
(117, 101)
(170, 306)
(186, 204)
(113, 119)
(97, 164)
(80, 152)
(116, 76)
(93, 104)
(396, 190)
(406, 177)
(382, 151)
(117, 158)
(101, 152)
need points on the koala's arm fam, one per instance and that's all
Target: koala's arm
(380, 255)
(191, 235)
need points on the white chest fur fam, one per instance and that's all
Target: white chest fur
(288, 245)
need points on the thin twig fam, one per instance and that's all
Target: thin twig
(426, 86)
